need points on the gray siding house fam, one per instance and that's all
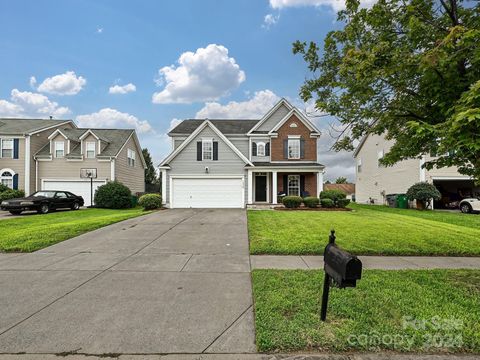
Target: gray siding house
(50, 155)
(218, 163)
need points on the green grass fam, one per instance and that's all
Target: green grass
(368, 230)
(33, 232)
(366, 318)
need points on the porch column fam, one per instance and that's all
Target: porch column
(163, 172)
(249, 186)
(319, 182)
(274, 187)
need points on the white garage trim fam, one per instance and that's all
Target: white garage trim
(207, 177)
(96, 183)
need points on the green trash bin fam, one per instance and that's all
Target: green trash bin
(402, 201)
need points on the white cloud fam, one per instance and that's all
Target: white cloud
(30, 104)
(270, 20)
(63, 84)
(334, 4)
(122, 89)
(33, 82)
(99, 30)
(204, 75)
(111, 118)
(173, 123)
(254, 108)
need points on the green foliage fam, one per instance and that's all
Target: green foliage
(327, 203)
(341, 180)
(113, 195)
(342, 203)
(407, 69)
(150, 174)
(292, 201)
(3, 188)
(333, 195)
(150, 201)
(424, 192)
(11, 194)
(311, 201)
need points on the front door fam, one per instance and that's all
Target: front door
(260, 188)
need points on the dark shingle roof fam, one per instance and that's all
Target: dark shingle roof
(23, 126)
(226, 126)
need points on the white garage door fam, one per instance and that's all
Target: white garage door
(78, 187)
(207, 193)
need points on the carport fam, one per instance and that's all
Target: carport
(454, 189)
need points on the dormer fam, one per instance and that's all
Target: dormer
(91, 144)
(59, 144)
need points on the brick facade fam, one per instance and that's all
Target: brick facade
(310, 182)
(277, 151)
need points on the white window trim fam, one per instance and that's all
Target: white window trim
(55, 147)
(296, 140)
(10, 178)
(1, 147)
(131, 157)
(359, 165)
(207, 141)
(288, 185)
(380, 155)
(262, 145)
(94, 149)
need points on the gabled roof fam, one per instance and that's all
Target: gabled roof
(300, 116)
(359, 147)
(13, 126)
(189, 139)
(226, 126)
(282, 101)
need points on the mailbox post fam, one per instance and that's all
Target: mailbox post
(341, 268)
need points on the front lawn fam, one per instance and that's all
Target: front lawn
(411, 310)
(368, 230)
(28, 233)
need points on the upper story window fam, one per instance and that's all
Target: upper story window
(59, 149)
(260, 149)
(6, 178)
(359, 165)
(7, 148)
(207, 149)
(294, 148)
(90, 146)
(379, 157)
(131, 157)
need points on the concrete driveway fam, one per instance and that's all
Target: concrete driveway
(176, 281)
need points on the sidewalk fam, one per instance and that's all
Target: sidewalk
(305, 262)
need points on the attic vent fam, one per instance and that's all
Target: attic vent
(294, 125)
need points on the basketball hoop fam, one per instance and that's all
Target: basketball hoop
(88, 173)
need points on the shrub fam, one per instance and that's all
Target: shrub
(150, 201)
(292, 201)
(342, 203)
(113, 195)
(333, 195)
(11, 194)
(4, 188)
(311, 201)
(327, 203)
(423, 192)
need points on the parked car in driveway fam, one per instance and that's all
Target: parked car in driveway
(43, 202)
(469, 205)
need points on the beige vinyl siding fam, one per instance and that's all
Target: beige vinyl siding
(442, 172)
(274, 119)
(17, 165)
(133, 177)
(373, 180)
(38, 141)
(59, 169)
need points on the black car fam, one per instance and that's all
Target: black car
(43, 202)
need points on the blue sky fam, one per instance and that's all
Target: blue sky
(64, 58)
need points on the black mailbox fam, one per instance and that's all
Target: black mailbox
(341, 268)
(344, 269)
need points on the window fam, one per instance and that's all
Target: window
(379, 157)
(293, 185)
(294, 148)
(131, 157)
(7, 148)
(207, 149)
(6, 178)
(359, 165)
(90, 150)
(60, 195)
(59, 149)
(261, 149)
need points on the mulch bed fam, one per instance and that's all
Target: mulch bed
(311, 209)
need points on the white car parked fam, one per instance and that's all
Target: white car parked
(469, 205)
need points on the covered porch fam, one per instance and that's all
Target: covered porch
(267, 184)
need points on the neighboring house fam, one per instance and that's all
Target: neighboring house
(233, 163)
(374, 181)
(348, 189)
(50, 155)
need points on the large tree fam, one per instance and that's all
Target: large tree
(408, 69)
(150, 174)
(341, 180)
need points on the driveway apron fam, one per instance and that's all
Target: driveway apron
(175, 281)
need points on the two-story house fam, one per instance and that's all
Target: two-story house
(374, 181)
(218, 163)
(55, 155)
